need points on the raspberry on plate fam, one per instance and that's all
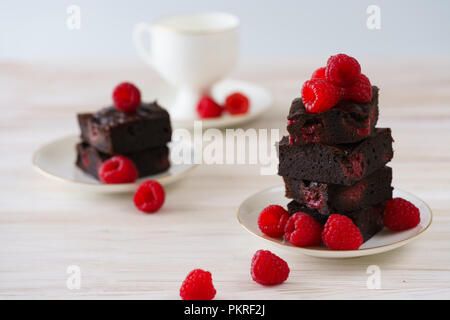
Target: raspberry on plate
(237, 103)
(208, 108)
(272, 220)
(342, 70)
(268, 269)
(118, 169)
(340, 233)
(360, 91)
(319, 74)
(198, 285)
(319, 95)
(303, 230)
(149, 197)
(400, 214)
(126, 97)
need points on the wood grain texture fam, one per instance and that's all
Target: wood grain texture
(46, 226)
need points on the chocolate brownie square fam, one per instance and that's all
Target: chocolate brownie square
(329, 198)
(147, 162)
(339, 164)
(112, 131)
(369, 220)
(347, 122)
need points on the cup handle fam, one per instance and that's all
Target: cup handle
(138, 31)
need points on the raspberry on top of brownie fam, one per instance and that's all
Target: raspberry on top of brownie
(347, 122)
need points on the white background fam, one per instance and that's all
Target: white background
(37, 31)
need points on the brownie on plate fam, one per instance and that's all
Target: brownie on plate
(342, 164)
(347, 122)
(369, 220)
(112, 131)
(329, 198)
(147, 162)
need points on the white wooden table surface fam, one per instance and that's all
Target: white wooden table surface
(45, 226)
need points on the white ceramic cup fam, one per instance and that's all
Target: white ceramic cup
(191, 52)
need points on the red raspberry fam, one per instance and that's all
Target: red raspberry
(340, 233)
(237, 103)
(208, 108)
(118, 169)
(126, 97)
(302, 230)
(354, 166)
(342, 70)
(149, 197)
(272, 220)
(319, 95)
(319, 74)
(198, 285)
(401, 214)
(268, 269)
(360, 91)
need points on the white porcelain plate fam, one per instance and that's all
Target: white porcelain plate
(260, 100)
(57, 160)
(383, 241)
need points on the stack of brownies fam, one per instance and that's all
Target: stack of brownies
(141, 135)
(334, 162)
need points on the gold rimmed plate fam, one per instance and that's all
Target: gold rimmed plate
(383, 241)
(57, 160)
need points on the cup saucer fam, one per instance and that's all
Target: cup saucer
(260, 100)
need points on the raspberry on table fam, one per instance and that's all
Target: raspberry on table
(272, 220)
(340, 233)
(319, 95)
(319, 74)
(117, 169)
(237, 103)
(208, 108)
(268, 269)
(400, 214)
(302, 230)
(198, 285)
(126, 97)
(149, 197)
(360, 91)
(342, 70)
